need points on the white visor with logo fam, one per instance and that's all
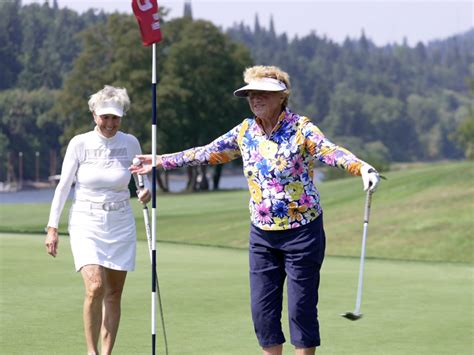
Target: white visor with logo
(263, 84)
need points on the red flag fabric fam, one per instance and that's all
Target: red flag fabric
(146, 12)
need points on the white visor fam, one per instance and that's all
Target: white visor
(109, 108)
(263, 84)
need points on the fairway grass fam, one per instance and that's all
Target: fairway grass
(409, 307)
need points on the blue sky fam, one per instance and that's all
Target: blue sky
(383, 21)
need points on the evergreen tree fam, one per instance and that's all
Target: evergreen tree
(322, 72)
(10, 43)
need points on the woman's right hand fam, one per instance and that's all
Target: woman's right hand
(51, 241)
(145, 166)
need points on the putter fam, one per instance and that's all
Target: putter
(356, 314)
(141, 185)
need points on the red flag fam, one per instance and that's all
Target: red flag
(146, 12)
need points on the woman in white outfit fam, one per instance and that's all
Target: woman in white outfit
(101, 223)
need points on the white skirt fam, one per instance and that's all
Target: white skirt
(100, 237)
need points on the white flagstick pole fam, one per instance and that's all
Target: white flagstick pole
(153, 202)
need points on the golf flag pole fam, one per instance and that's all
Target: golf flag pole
(146, 13)
(140, 182)
(153, 201)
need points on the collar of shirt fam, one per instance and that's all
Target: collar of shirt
(104, 138)
(281, 118)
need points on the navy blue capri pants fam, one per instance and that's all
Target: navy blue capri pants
(296, 255)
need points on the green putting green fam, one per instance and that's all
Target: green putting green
(409, 307)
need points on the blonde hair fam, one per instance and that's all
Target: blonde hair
(107, 94)
(264, 71)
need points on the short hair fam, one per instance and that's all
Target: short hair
(263, 71)
(107, 94)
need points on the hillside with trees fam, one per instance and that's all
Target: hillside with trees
(394, 103)
(401, 101)
(38, 47)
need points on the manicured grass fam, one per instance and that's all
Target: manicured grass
(409, 307)
(425, 212)
(421, 213)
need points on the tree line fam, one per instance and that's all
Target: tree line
(407, 103)
(391, 103)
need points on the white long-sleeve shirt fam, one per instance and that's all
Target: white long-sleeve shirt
(99, 166)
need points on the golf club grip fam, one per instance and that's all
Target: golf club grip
(368, 201)
(141, 183)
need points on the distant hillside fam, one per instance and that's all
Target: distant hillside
(465, 40)
(407, 100)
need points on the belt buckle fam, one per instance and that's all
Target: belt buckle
(112, 206)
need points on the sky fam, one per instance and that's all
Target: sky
(382, 21)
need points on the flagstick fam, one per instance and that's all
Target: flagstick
(153, 203)
(147, 15)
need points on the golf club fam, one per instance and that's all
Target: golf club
(141, 185)
(356, 314)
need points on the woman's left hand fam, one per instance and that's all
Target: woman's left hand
(144, 196)
(370, 177)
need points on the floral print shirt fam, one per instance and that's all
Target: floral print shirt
(278, 168)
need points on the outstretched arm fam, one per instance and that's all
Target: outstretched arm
(220, 151)
(331, 154)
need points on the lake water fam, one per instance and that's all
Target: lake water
(177, 183)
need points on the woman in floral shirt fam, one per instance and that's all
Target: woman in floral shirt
(278, 149)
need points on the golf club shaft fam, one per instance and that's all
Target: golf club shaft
(361, 273)
(147, 228)
(362, 255)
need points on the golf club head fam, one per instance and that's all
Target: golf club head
(352, 316)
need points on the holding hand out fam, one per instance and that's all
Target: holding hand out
(145, 166)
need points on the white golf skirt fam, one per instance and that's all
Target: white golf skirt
(103, 234)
